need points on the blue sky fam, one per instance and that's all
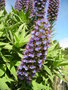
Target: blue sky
(61, 26)
(62, 23)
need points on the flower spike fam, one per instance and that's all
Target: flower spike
(35, 52)
(53, 10)
(19, 4)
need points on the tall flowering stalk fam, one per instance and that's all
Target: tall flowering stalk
(35, 52)
(2, 4)
(53, 10)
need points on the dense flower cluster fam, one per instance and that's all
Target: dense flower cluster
(36, 51)
(2, 4)
(53, 10)
(40, 8)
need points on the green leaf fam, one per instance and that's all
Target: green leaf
(4, 58)
(12, 70)
(18, 63)
(22, 16)
(2, 44)
(1, 33)
(19, 30)
(20, 55)
(37, 86)
(1, 72)
(1, 26)
(63, 64)
(48, 70)
(8, 46)
(3, 85)
(1, 13)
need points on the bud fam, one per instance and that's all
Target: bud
(53, 10)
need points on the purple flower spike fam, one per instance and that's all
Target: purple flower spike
(53, 9)
(40, 8)
(36, 51)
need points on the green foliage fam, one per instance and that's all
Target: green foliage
(15, 29)
(13, 38)
(65, 52)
